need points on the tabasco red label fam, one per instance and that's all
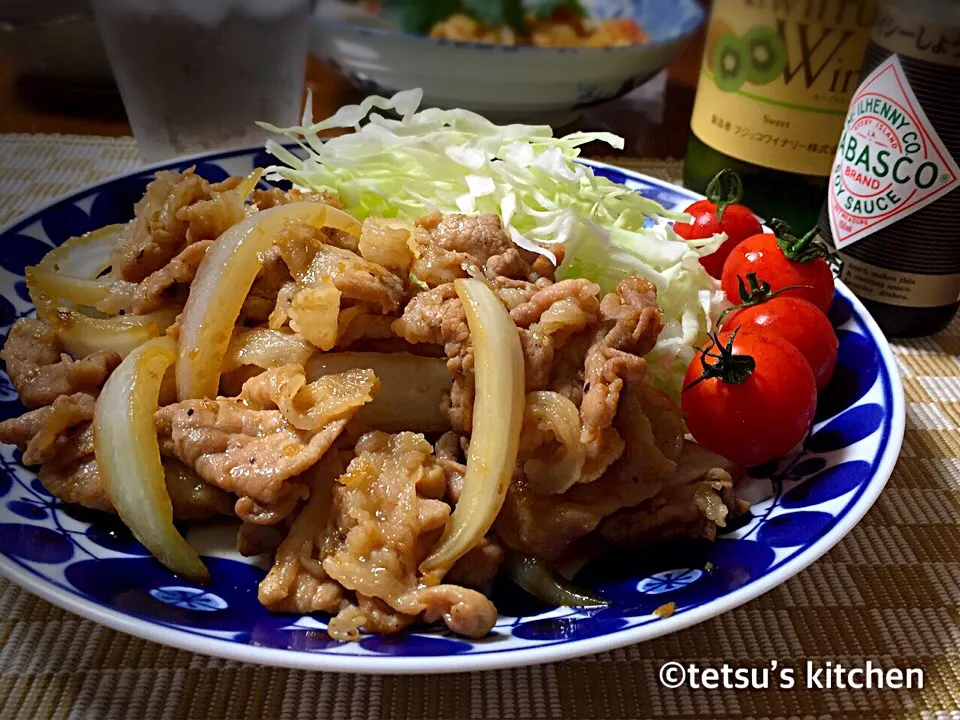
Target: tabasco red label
(890, 161)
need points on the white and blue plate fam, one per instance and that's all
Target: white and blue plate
(89, 564)
(515, 83)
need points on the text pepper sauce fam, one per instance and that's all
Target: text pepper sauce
(893, 209)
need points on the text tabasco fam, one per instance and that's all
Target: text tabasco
(893, 203)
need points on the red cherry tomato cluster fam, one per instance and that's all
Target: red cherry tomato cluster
(751, 393)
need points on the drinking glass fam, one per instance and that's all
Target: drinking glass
(196, 75)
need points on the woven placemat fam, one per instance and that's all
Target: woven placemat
(888, 593)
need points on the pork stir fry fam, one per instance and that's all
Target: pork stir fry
(396, 412)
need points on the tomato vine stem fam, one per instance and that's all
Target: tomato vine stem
(804, 249)
(758, 292)
(726, 367)
(726, 188)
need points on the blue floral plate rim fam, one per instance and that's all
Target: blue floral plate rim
(173, 635)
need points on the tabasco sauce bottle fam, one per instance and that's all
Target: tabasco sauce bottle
(776, 80)
(893, 211)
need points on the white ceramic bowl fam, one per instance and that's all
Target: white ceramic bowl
(504, 83)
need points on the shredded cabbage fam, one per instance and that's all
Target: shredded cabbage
(457, 161)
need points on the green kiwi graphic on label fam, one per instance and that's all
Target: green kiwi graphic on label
(766, 54)
(730, 63)
(718, 29)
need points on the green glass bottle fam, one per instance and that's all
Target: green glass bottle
(775, 83)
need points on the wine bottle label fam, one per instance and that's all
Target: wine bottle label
(896, 287)
(777, 78)
(890, 161)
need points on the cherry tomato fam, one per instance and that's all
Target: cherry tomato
(720, 213)
(798, 265)
(750, 396)
(798, 321)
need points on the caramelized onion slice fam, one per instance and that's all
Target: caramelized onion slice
(128, 455)
(411, 388)
(497, 421)
(70, 272)
(222, 283)
(78, 291)
(249, 183)
(85, 256)
(537, 579)
(82, 335)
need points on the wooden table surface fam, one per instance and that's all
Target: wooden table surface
(653, 129)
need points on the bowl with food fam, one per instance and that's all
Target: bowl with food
(435, 395)
(508, 60)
